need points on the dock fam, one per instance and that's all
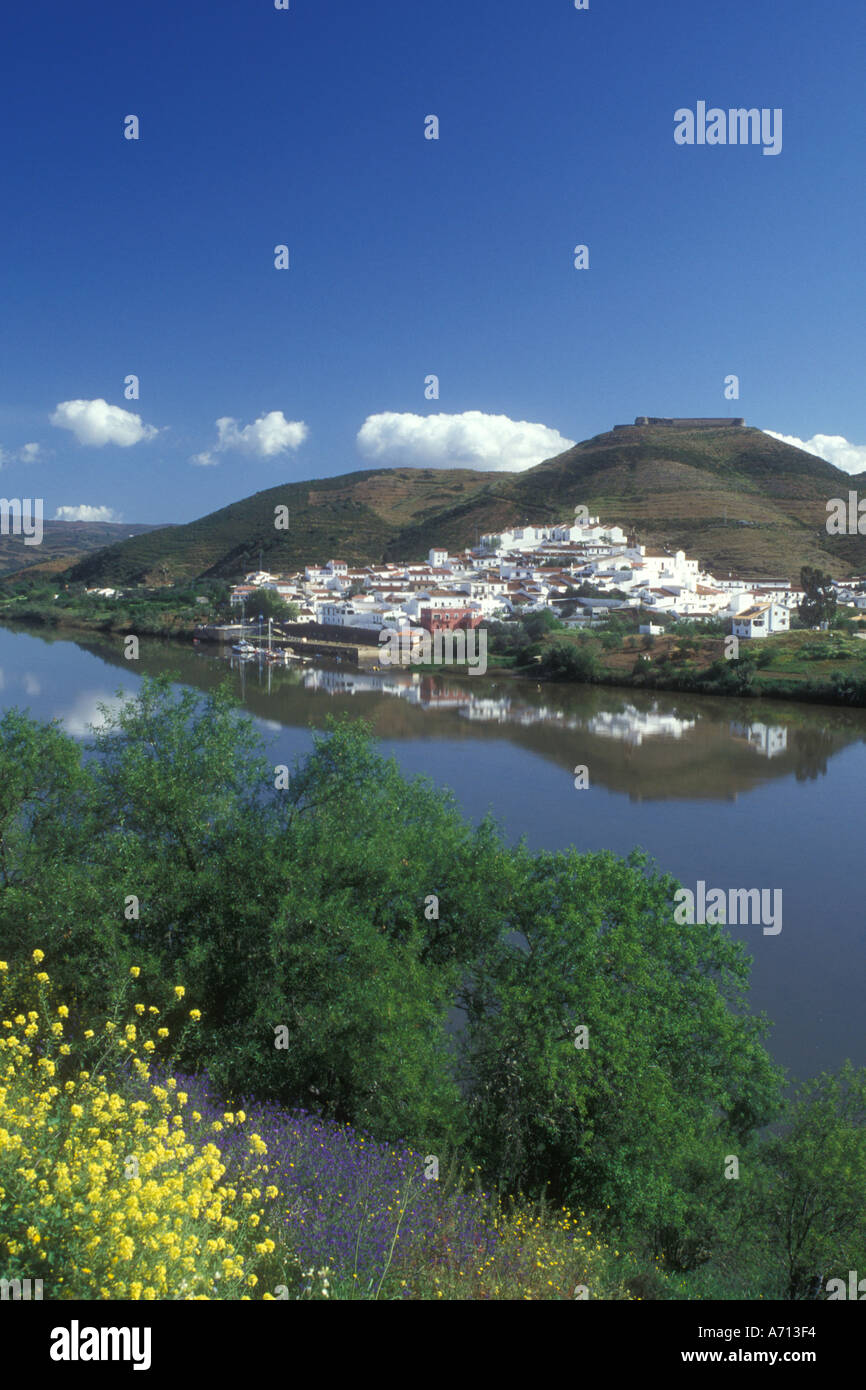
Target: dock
(359, 654)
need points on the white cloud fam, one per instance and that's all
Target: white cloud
(470, 440)
(28, 453)
(85, 513)
(267, 437)
(833, 448)
(84, 714)
(97, 422)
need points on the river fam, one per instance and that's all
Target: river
(738, 794)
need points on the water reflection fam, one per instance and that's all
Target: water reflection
(725, 791)
(648, 746)
(657, 746)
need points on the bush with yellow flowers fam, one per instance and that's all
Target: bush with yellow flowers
(106, 1196)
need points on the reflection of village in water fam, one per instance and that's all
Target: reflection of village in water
(627, 725)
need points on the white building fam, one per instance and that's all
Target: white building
(676, 568)
(438, 598)
(762, 620)
(363, 613)
(278, 586)
(768, 739)
(633, 726)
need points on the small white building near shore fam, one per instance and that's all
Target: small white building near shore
(762, 620)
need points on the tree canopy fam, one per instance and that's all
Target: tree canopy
(359, 948)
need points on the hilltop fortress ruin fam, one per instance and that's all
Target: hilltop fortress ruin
(708, 422)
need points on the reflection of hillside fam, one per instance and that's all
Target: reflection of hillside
(648, 746)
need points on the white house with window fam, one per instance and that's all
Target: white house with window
(362, 613)
(762, 620)
(768, 739)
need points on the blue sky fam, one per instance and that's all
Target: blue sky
(408, 256)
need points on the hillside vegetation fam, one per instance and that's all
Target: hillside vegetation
(355, 517)
(63, 542)
(735, 498)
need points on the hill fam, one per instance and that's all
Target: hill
(732, 496)
(735, 498)
(354, 517)
(62, 543)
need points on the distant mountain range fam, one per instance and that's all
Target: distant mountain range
(62, 543)
(730, 495)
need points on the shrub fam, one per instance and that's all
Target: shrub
(563, 661)
(104, 1197)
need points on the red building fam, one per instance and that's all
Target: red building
(447, 619)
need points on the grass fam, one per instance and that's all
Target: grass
(826, 667)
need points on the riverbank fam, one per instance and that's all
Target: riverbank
(813, 667)
(168, 625)
(816, 667)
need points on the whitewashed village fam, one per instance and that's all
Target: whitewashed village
(526, 569)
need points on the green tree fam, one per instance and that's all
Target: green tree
(611, 638)
(354, 910)
(567, 662)
(535, 625)
(269, 604)
(343, 953)
(808, 1200)
(52, 885)
(673, 1072)
(310, 907)
(818, 604)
